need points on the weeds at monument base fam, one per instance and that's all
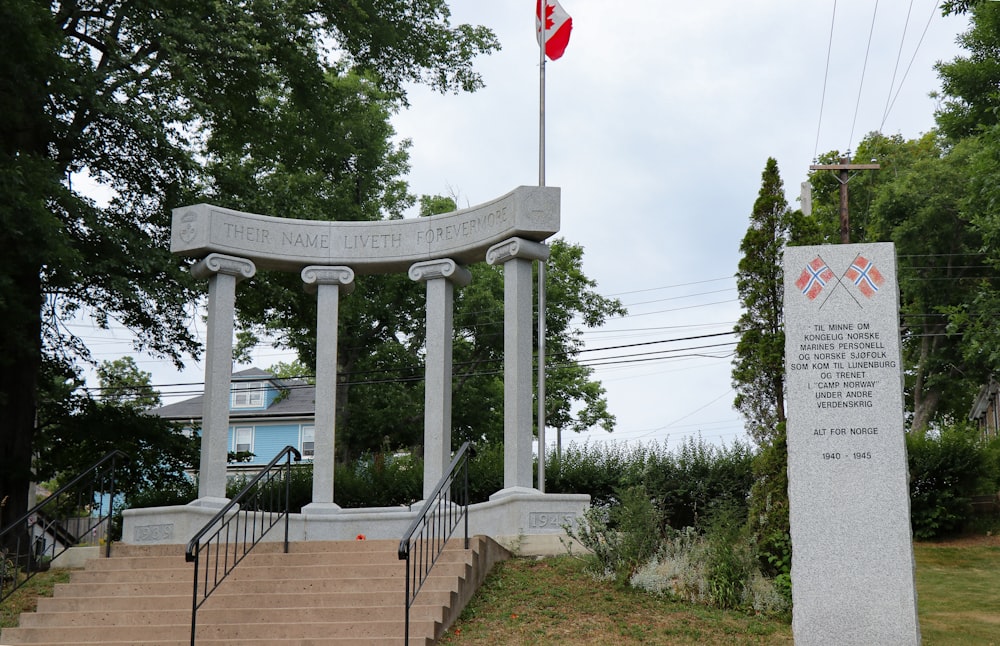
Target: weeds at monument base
(714, 566)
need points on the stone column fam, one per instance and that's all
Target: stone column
(441, 277)
(517, 255)
(222, 272)
(328, 283)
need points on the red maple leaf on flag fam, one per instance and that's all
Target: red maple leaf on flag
(549, 10)
(556, 30)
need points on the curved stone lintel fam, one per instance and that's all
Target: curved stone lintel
(516, 248)
(217, 263)
(443, 268)
(384, 246)
(315, 275)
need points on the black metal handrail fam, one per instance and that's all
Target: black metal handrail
(242, 523)
(429, 532)
(60, 517)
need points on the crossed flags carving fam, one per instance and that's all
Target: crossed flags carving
(862, 275)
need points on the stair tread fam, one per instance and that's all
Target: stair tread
(143, 595)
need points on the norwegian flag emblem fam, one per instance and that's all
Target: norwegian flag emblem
(814, 278)
(865, 276)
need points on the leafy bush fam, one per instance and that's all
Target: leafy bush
(729, 560)
(767, 516)
(485, 472)
(717, 568)
(177, 493)
(947, 468)
(381, 479)
(622, 536)
(684, 483)
(597, 469)
(698, 476)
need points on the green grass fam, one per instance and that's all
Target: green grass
(24, 598)
(958, 594)
(554, 601)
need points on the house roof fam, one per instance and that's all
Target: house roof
(299, 402)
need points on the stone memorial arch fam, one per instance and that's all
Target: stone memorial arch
(230, 246)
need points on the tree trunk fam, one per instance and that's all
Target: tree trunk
(925, 400)
(19, 369)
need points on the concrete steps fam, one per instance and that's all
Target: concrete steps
(348, 593)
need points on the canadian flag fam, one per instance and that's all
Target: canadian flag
(558, 24)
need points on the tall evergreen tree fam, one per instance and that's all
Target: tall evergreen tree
(759, 365)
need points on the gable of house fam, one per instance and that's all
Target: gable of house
(266, 414)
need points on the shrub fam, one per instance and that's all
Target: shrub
(729, 560)
(687, 482)
(382, 479)
(947, 468)
(485, 472)
(622, 536)
(177, 493)
(597, 470)
(767, 516)
(715, 568)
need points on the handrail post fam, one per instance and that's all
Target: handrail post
(432, 528)
(111, 510)
(465, 501)
(406, 622)
(194, 599)
(288, 495)
(227, 539)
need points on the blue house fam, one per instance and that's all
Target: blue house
(266, 414)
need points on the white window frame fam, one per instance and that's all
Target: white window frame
(248, 394)
(236, 438)
(308, 430)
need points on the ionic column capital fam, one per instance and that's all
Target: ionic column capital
(441, 268)
(217, 263)
(315, 275)
(516, 248)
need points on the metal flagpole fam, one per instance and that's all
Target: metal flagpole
(541, 263)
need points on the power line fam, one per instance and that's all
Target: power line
(864, 68)
(909, 66)
(895, 68)
(826, 77)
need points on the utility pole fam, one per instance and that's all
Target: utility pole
(844, 169)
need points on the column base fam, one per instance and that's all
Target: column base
(209, 502)
(320, 508)
(512, 491)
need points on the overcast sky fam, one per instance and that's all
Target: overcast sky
(660, 118)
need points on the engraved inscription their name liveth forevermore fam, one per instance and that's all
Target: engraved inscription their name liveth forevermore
(381, 246)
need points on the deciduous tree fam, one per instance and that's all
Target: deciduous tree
(168, 103)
